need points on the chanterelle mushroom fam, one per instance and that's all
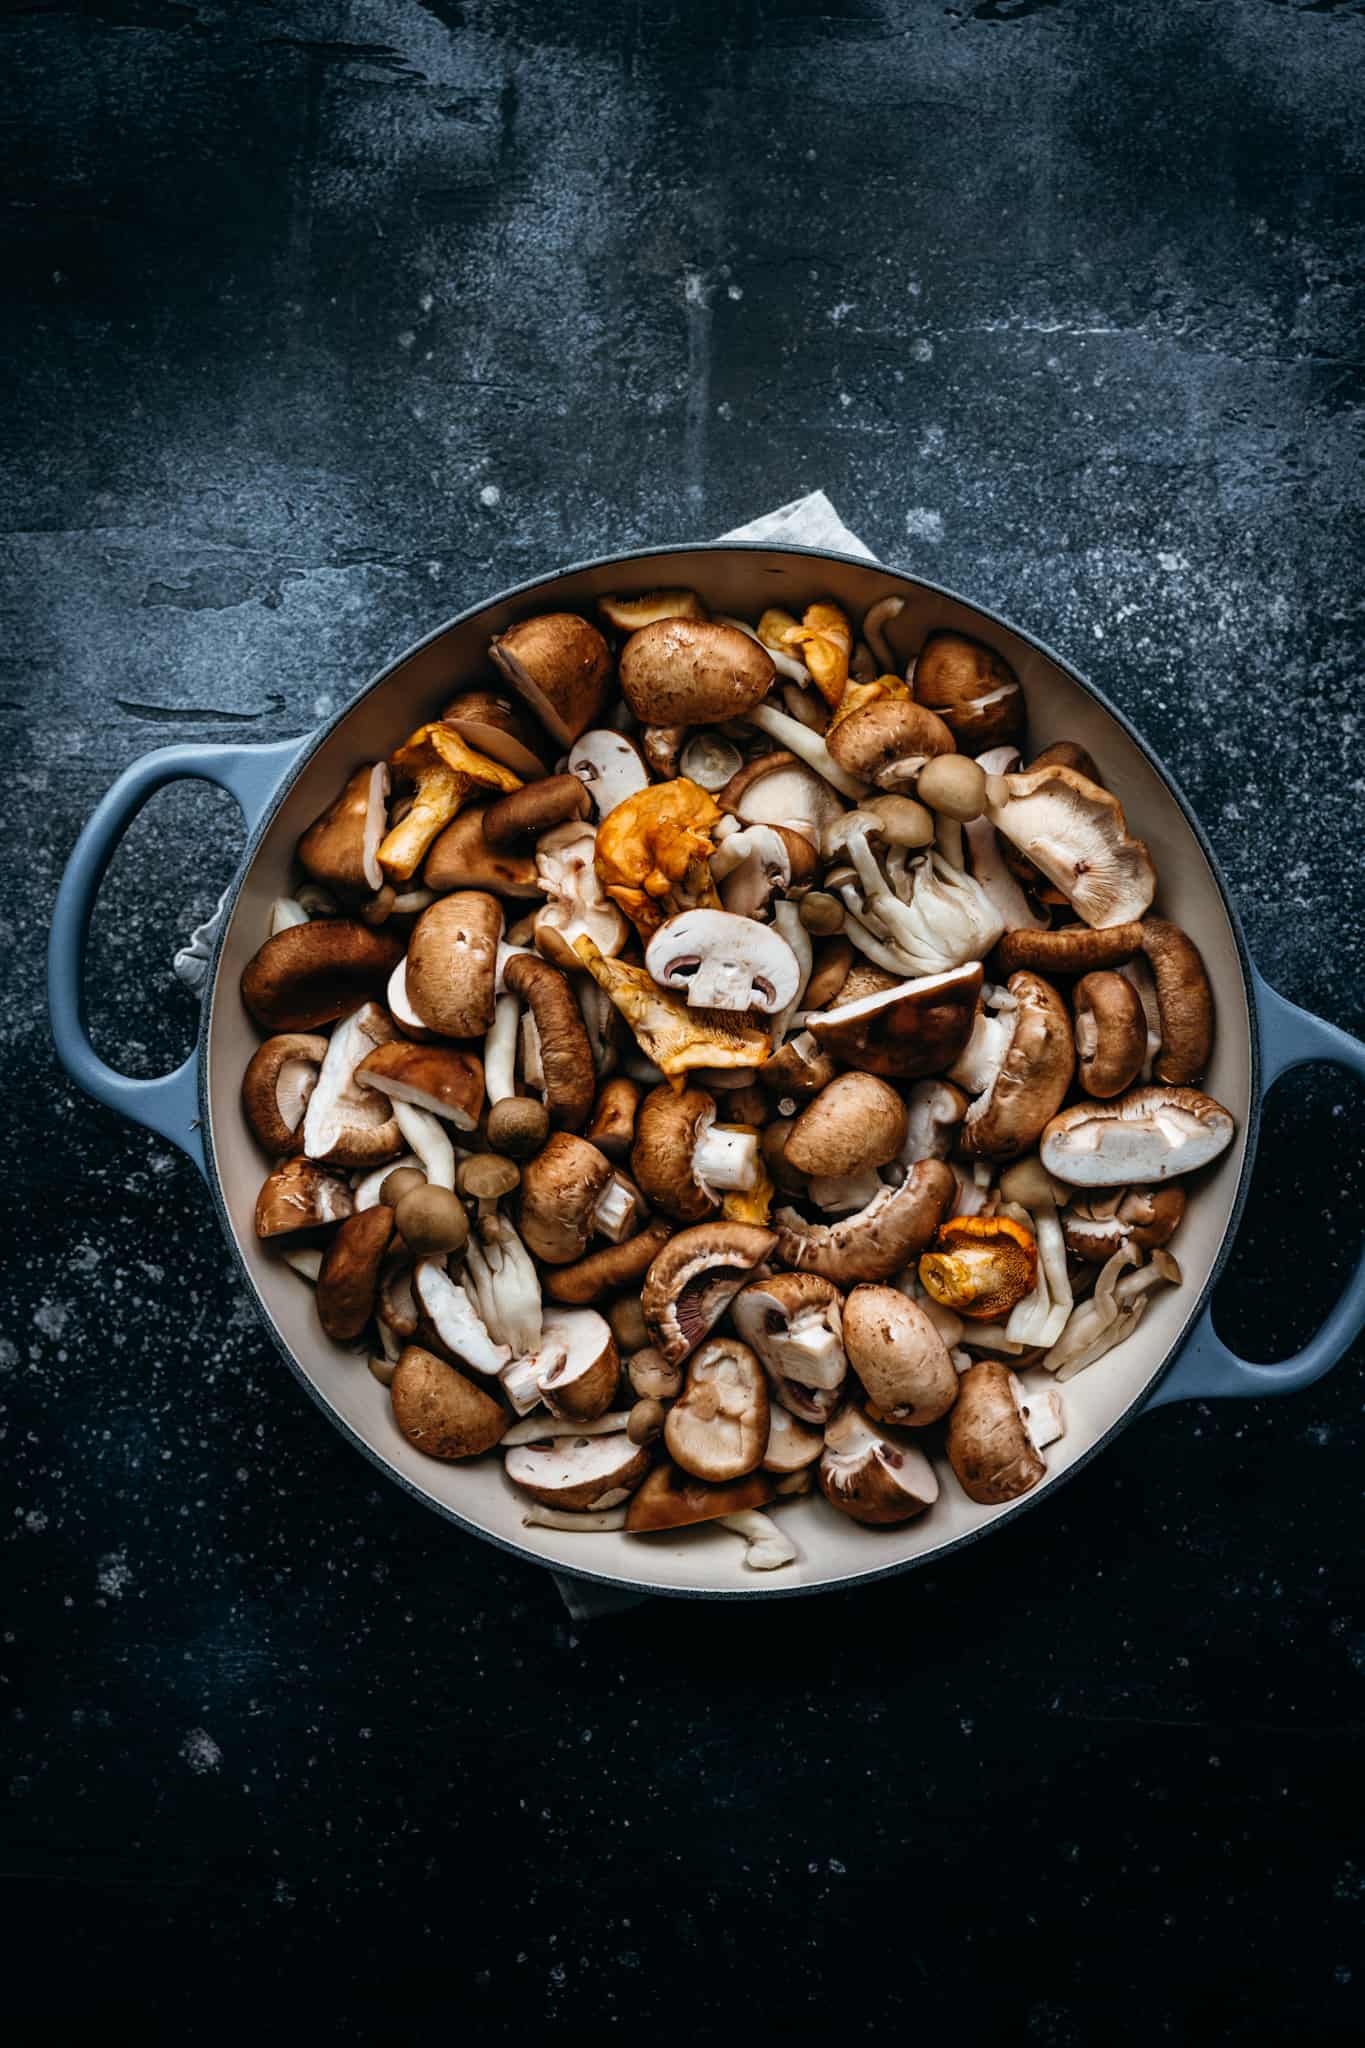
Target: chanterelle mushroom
(981, 1266)
(693, 1280)
(676, 1038)
(1149, 1134)
(718, 1428)
(444, 770)
(653, 850)
(1075, 833)
(871, 1475)
(723, 962)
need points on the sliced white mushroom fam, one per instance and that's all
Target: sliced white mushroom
(578, 1472)
(787, 923)
(723, 962)
(284, 912)
(455, 1319)
(609, 767)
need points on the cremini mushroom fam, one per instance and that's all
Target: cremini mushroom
(1150, 1134)
(793, 1445)
(348, 1282)
(830, 970)
(682, 1161)
(1017, 1066)
(280, 1077)
(794, 1322)
(559, 663)
(1075, 833)
(438, 1078)
(974, 691)
(871, 1475)
(723, 962)
(301, 1195)
(603, 1272)
(693, 1280)
(582, 1472)
(873, 1243)
(1097, 1226)
(578, 1367)
(452, 963)
(990, 1446)
(799, 1070)
(1184, 1002)
(496, 726)
(900, 1029)
(779, 790)
(881, 735)
(609, 767)
(902, 1361)
(629, 614)
(692, 672)
(448, 1318)
(311, 974)
(855, 1123)
(443, 771)
(560, 1190)
(441, 1412)
(461, 857)
(347, 1122)
(535, 808)
(341, 848)
(1110, 1033)
(612, 1128)
(670, 1498)
(718, 1427)
(1071, 949)
(566, 1063)
(980, 1266)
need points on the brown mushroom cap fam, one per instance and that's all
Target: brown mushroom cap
(565, 1048)
(340, 848)
(885, 740)
(853, 1125)
(462, 858)
(876, 1242)
(834, 959)
(1066, 754)
(561, 665)
(974, 691)
(1150, 1134)
(348, 1283)
(612, 1128)
(1096, 1228)
(311, 974)
(901, 1030)
(667, 1127)
(1184, 1001)
(801, 1068)
(581, 1381)
(672, 1499)
(1033, 1078)
(560, 1188)
(614, 1267)
(1110, 1032)
(279, 1078)
(989, 1447)
(452, 963)
(693, 672)
(718, 1427)
(871, 1475)
(693, 1280)
(493, 725)
(899, 1356)
(441, 1412)
(301, 1195)
(434, 1077)
(1074, 949)
(535, 808)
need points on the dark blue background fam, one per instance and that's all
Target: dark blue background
(330, 319)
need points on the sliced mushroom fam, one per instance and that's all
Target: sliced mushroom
(855, 1124)
(974, 691)
(672, 1499)
(569, 1080)
(872, 1476)
(651, 1377)
(989, 1446)
(1184, 1002)
(436, 1078)
(560, 664)
(462, 858)
(876, 1242)
(400, 1008)
(280, 1077)
(580, 1370)
(718, 1427)
(348, 1282)
(612, 1128)
(493, 725)
(1075, 833)
(693, 1280)
(341, 848)
(439, 1411)
(560, 1190)
(1018, 1065)
(899, 1356)
(901, 1029)
(662, 746)
(1074, 949)
(1110, 1031)
(448, 1318)
(301, 1195)
(794, 1322)
(692, 672)
(452, 963)
(609, 767)
(672, 1037)
(605, 1272)
(311, 974)
(348, 1123)
(578, 907)
(723, 962)
(1150, 1134)
(793, 1446)
(1100, 1225)
(591, 1472)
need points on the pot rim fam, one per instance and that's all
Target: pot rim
(841, 1582)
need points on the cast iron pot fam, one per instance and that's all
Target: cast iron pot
(1174, 1355)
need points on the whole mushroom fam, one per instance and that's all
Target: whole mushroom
(899, 1356)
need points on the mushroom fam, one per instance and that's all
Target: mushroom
(592, 1472)
(681, 1159)
(766, 1547)
(1097, 1226)
(341, 848)
(718, 1427)
(980, 1266)
(872, 1476)
(462, 858)
(914, 920)
(692, 672)
(723, 962)
(792, 1445)
(560, 1191)
(493, 725)
(651, 1377)
(300, 1195)
(566, 1062)
(348, 1281)
(1150, 1134)
(973, 690)
(347, 1123)
(280, 1077)
(876, 619)
(443, 770)
(286, 911)
(609, 767)
(579, 1370)
(900, 1029)
(832, 964)
(612, 1128)
(561, 665)
(439, 1411)
(577, 907)
(881, 735)
(990, 1446)
(693, 1280)
(653, 852)
(1112, 1313)
(1184, 1002)
(535, 808)
(954, 786)
(800, 1069)
(1138, 972)
(899, 1356)
(876, 1242)
(614, 1267)
(311, 974)
(1075, 833)
(395, 1302)
(808, 746)
(1066, 754)
(934, 1109)
(505, 1285)
(752, 865)
(427, 1137)
(400, 1008)
(793, 1321)
(670, 1035)
(447, 1316)
(1110, 1032)
(854, 1124)
(672, 1499)
(1017, 1065)
(710, 760)
(433, 1077)
(1073, 949)
(823, 638)
(452, 963)
(663, 745)
(777, 789)
(629, 614)
(1028, 1195)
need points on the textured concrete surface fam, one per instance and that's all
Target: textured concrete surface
(332, 318)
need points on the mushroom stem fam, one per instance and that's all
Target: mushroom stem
(284, 912)
(537, 1517)
(726, 1159)
(807, 746)
(540, 1428)
(785, 664)
(307, 1263)
(500, 1051)
(767, 1547)
(423, 1132)
(875, 618)
(787, 922)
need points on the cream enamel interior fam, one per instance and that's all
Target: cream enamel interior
(832, 1548)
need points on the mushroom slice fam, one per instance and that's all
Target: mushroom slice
(694, 1279)
(1149, 1134)
(662, 746)
(981, 1266)
(876, 1242)
(441, 1412)
(904, 1029)
(629, 614)
(680, 671)
(989, 1446)
(793, 1322)
(455, 1320)
(300, 1195)
(577, 906)
(569, 1079)
(608, 1271)
(852, 1126)
(433, 1077)
(560, 1190)
(348, 1123)
(348, 1282)
(579, 1367)
(672, 1499)
(1096, 1228)
(674, 1037)
(592, 1472)
(493, 725)
(1018, 1064)
(766, 1547)
(934, 1109)
(280, 1077)
(452, 963)
(396, 1304)
(560, 664)
(1184, 1002)
(723, 962)
(462, 858)
(1075, 833)
(341, 848)
(872, 1476)
(718, 1427)
(973, 690)
(311, 974)
(609, 767)
(1110, 1031)
(899, 1356)
(792, 1444)
(777, 789)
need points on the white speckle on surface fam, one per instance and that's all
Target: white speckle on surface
(490, 495)
(922, 350)
(201, 1752)
(113, 1575)
(923, 524)
(51, 1317)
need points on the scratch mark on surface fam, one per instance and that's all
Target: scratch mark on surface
(697, 305)
(175, 714)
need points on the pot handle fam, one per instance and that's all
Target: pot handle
(1206, 1370)
(169, 1105)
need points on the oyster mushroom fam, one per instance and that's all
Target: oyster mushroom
(311, 974)
(1150, 1134)
(462, 858)
(682, 1161)
(341, 848)
(900, 1029)
(452, 963)
(723, 962)
(579, 1370)
(583, 1472)
(348, 1281)
(718, 1427)
(876, 1242)
(693, 1280)
(348, 1123)
(443, 771)
(607, 1271)
(1112, 1313)
(609, 767)
(1074, 949)
(672, 1499)
(794, 1322)
(577, 907)
(280, 1077)
(1097, 1226)
(432, 1077)
(692, 672)
(560, 664)
(1017, 1065)
(854, 1124)
(536, 807)
(980, 1266)
(566, 1064)
(974, 691)
(1075, 833)
(439, 1411)
(872, 1476)
(1184, 1002)
(990, 1446)
(301, 1195)
(899, 1356)
(1110, 1033)
(493, 725)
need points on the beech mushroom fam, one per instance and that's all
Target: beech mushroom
(592, 1472)
(899, 1356)
(980, 1266)
(612, 1128)
(1184, 1002)
(990, 1446)
(1074, 949)
(434, 1077)
(901, 1029)
(682, 1161)
(560, 664)
(1075, 833)
(1097, 1226)
(615, 1266)
(670, 1498)
(972, 688)
(925, 918)
(855, 1123)
(441, 1412)
(452, 963)
(578, 1367)
(692, 672)
(693, 1280)
(872, 1476)
(1150, 1134)
(280, 1077)
(311, 974)
(723, 962)
(535, 808)
(348, 1281)
(793, 1321)
(341, 848)
(347, 1122)
(1017, 1065)
(1110, 1031)
(718, 1427)
(462, 858)
(300, 1195)
(609, 767)
(876, 1242)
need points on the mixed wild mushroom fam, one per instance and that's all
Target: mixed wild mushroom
(710, 1061)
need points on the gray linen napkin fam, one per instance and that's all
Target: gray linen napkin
(809, 522)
